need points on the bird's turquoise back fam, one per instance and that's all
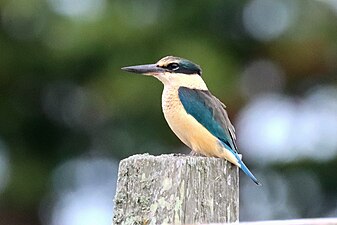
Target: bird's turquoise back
(208, 111)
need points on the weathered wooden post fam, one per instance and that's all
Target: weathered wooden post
(176, 190)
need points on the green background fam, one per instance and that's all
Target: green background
(68, 113)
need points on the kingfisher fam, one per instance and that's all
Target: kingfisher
(197, 117)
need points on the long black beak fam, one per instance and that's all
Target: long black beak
(148, 69)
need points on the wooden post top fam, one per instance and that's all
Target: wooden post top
(176, 189)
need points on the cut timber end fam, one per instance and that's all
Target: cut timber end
(176, 190)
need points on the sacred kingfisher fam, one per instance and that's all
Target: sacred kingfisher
(197, 117)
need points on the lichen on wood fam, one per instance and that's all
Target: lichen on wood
(176, 189)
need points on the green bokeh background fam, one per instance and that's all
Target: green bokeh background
(63, 95)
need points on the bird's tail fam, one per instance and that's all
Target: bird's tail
(236, 159)
(245, 169)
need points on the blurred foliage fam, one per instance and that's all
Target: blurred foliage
(63, 94)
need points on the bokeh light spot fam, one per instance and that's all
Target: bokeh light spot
(260, 77)
(84, 189)
(79, 9)
(278, 128)
(265, 20)
(4, 167)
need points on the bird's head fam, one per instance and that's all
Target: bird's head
(171, 70)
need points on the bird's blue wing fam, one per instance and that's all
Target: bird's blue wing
(210, 112)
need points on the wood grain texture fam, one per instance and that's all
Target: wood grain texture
(176, 189)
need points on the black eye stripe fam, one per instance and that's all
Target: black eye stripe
(184, 67)
(172, 66)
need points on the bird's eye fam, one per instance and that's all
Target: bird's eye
(173, 66)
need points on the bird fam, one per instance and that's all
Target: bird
(197, 117)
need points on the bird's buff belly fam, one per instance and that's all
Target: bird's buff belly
(192, 133)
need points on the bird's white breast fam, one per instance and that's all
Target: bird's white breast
(186, 127)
